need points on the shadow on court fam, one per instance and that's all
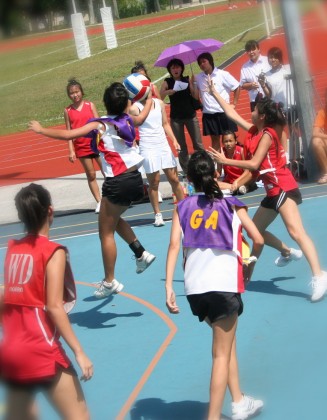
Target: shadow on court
(95, 319)
(272, 287)
(158, 409)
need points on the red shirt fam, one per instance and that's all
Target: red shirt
(77, 119)
(232, 172)
(30, 348)
(278, 177)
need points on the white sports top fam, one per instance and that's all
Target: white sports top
(116, 156)
(152, 134)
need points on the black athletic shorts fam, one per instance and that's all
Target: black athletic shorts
(124, 188)
(275, 202)
(38, 384)
(91, 156)
(216, 124)
(215, 305)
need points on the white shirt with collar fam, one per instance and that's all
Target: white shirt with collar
(250, 72)
(224, 83)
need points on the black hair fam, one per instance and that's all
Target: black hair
(115, 98)
(250, 45)
(273, 111)
(201, 172)
(139, 65)
(73, 82)
(206, 56)
(230, 132)
(275, 52)
(32, 203)
(175, 62)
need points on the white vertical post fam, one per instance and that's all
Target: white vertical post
(265, 17)
(80, 36)
(272, 18)
(108, 26)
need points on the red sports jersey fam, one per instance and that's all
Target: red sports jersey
(273, 171)
(232, 172)
(31, 348)
(78, 119)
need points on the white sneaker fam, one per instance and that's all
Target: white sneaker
(106, 289)
(158, 220)
(97, 209)
(319, 286)
(245, 408)
(242, 190)
(295, 255)
(159, 197)
(144, 262)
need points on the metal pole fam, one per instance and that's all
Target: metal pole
(302, 81)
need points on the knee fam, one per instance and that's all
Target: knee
(91, 176)
(154, 185)
(295, 233)
(174, 182)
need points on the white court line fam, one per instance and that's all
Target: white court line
(66, 238)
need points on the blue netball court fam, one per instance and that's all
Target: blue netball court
(151, 365)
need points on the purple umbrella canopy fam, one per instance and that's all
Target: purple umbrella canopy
(188, 51)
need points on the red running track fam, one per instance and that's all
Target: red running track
(28, 157)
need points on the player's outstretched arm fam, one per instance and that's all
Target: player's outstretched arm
(62, 134)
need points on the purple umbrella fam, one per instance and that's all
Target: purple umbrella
(188, 51)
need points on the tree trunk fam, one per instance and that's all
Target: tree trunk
(157, 6)
(91, 12)
(115, 7)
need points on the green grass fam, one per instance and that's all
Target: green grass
(33, 80)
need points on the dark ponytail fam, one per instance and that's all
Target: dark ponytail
(32, 203)
(201, 172)
(273, 111)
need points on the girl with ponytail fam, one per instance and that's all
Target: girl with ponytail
(266, 158)
(213, 274)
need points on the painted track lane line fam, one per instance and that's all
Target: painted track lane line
(148, 371)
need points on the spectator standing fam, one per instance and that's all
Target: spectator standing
(251, 70)
(274, 84)
(276, 87)
(182, 109)
(214, 119)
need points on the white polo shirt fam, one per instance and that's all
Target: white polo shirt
(224, 83)
(281, 90)
(250, 72)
